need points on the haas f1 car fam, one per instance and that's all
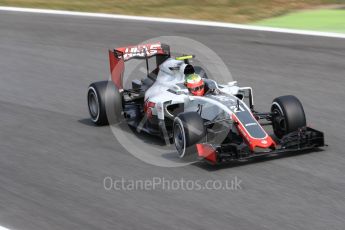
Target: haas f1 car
(212, 121)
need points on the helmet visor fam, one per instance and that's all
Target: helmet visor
(198, 88)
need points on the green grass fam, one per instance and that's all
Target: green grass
(318, 20)
(238, 11)
(274, 13)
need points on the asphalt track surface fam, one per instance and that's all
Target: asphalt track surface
(53, 161)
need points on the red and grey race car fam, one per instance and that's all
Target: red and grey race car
(218, 125)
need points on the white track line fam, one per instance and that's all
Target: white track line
(2, 228)
(177, 21)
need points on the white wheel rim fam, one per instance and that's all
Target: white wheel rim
(179, 138)
(93, 104)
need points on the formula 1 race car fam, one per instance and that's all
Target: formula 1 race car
(218, 125)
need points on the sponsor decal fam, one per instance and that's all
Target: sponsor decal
(140, 51)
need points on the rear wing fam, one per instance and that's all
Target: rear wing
(119, 56)
(142, 51)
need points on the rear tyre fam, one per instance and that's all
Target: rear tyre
(288, 115)
(104, 103)
(188, 130)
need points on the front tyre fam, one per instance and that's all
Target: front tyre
(288, 115)
(104, 103)
(188, 130)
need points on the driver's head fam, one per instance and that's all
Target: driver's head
(195, 84)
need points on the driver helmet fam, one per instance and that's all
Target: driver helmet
(195, 84)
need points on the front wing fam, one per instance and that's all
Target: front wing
(303, 139)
